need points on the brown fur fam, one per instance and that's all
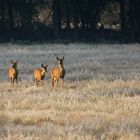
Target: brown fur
(39, 74)
(13, 72)
(58, 72)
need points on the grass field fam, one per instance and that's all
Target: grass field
(100, 99)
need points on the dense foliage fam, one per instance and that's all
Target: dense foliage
(57, 16)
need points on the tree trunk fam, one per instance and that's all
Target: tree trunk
(82, 14)
(75, 16)
(29, 14)
(67, 14)
(131, 14)
(3, 14)
(122, 14)
(56, 18)
(10, 14)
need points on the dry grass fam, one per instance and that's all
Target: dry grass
(103, 107)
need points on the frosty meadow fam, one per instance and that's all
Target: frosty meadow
(100, 99)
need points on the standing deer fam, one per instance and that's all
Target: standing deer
(39, 74)
(58, 72)
(13, 72)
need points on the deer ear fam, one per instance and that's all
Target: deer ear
(42, 65)
(11, 61)
(63, 58)
(57, 58)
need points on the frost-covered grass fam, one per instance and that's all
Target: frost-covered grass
(100, 99)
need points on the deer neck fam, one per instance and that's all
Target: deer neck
(60, 67)
(14, 67)
(43, 73)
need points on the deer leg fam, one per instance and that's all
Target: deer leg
(10, 80)
(36, 82)
(13, 80)
(52, 82)
(57, 82)
(62, 82)
(16, 81)
(42, 82)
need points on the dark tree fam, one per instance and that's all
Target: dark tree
(56, 17)
(122, 14)
(72, 16)
(30, 6)
(82, 14)
(2, 14)
(75, 13)
(67, 6)
(10, 4)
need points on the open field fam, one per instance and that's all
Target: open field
(100, 99)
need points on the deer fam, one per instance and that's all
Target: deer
(58, 72)
(39, 74)
(13, 72)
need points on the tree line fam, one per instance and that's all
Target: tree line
(55, 17)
